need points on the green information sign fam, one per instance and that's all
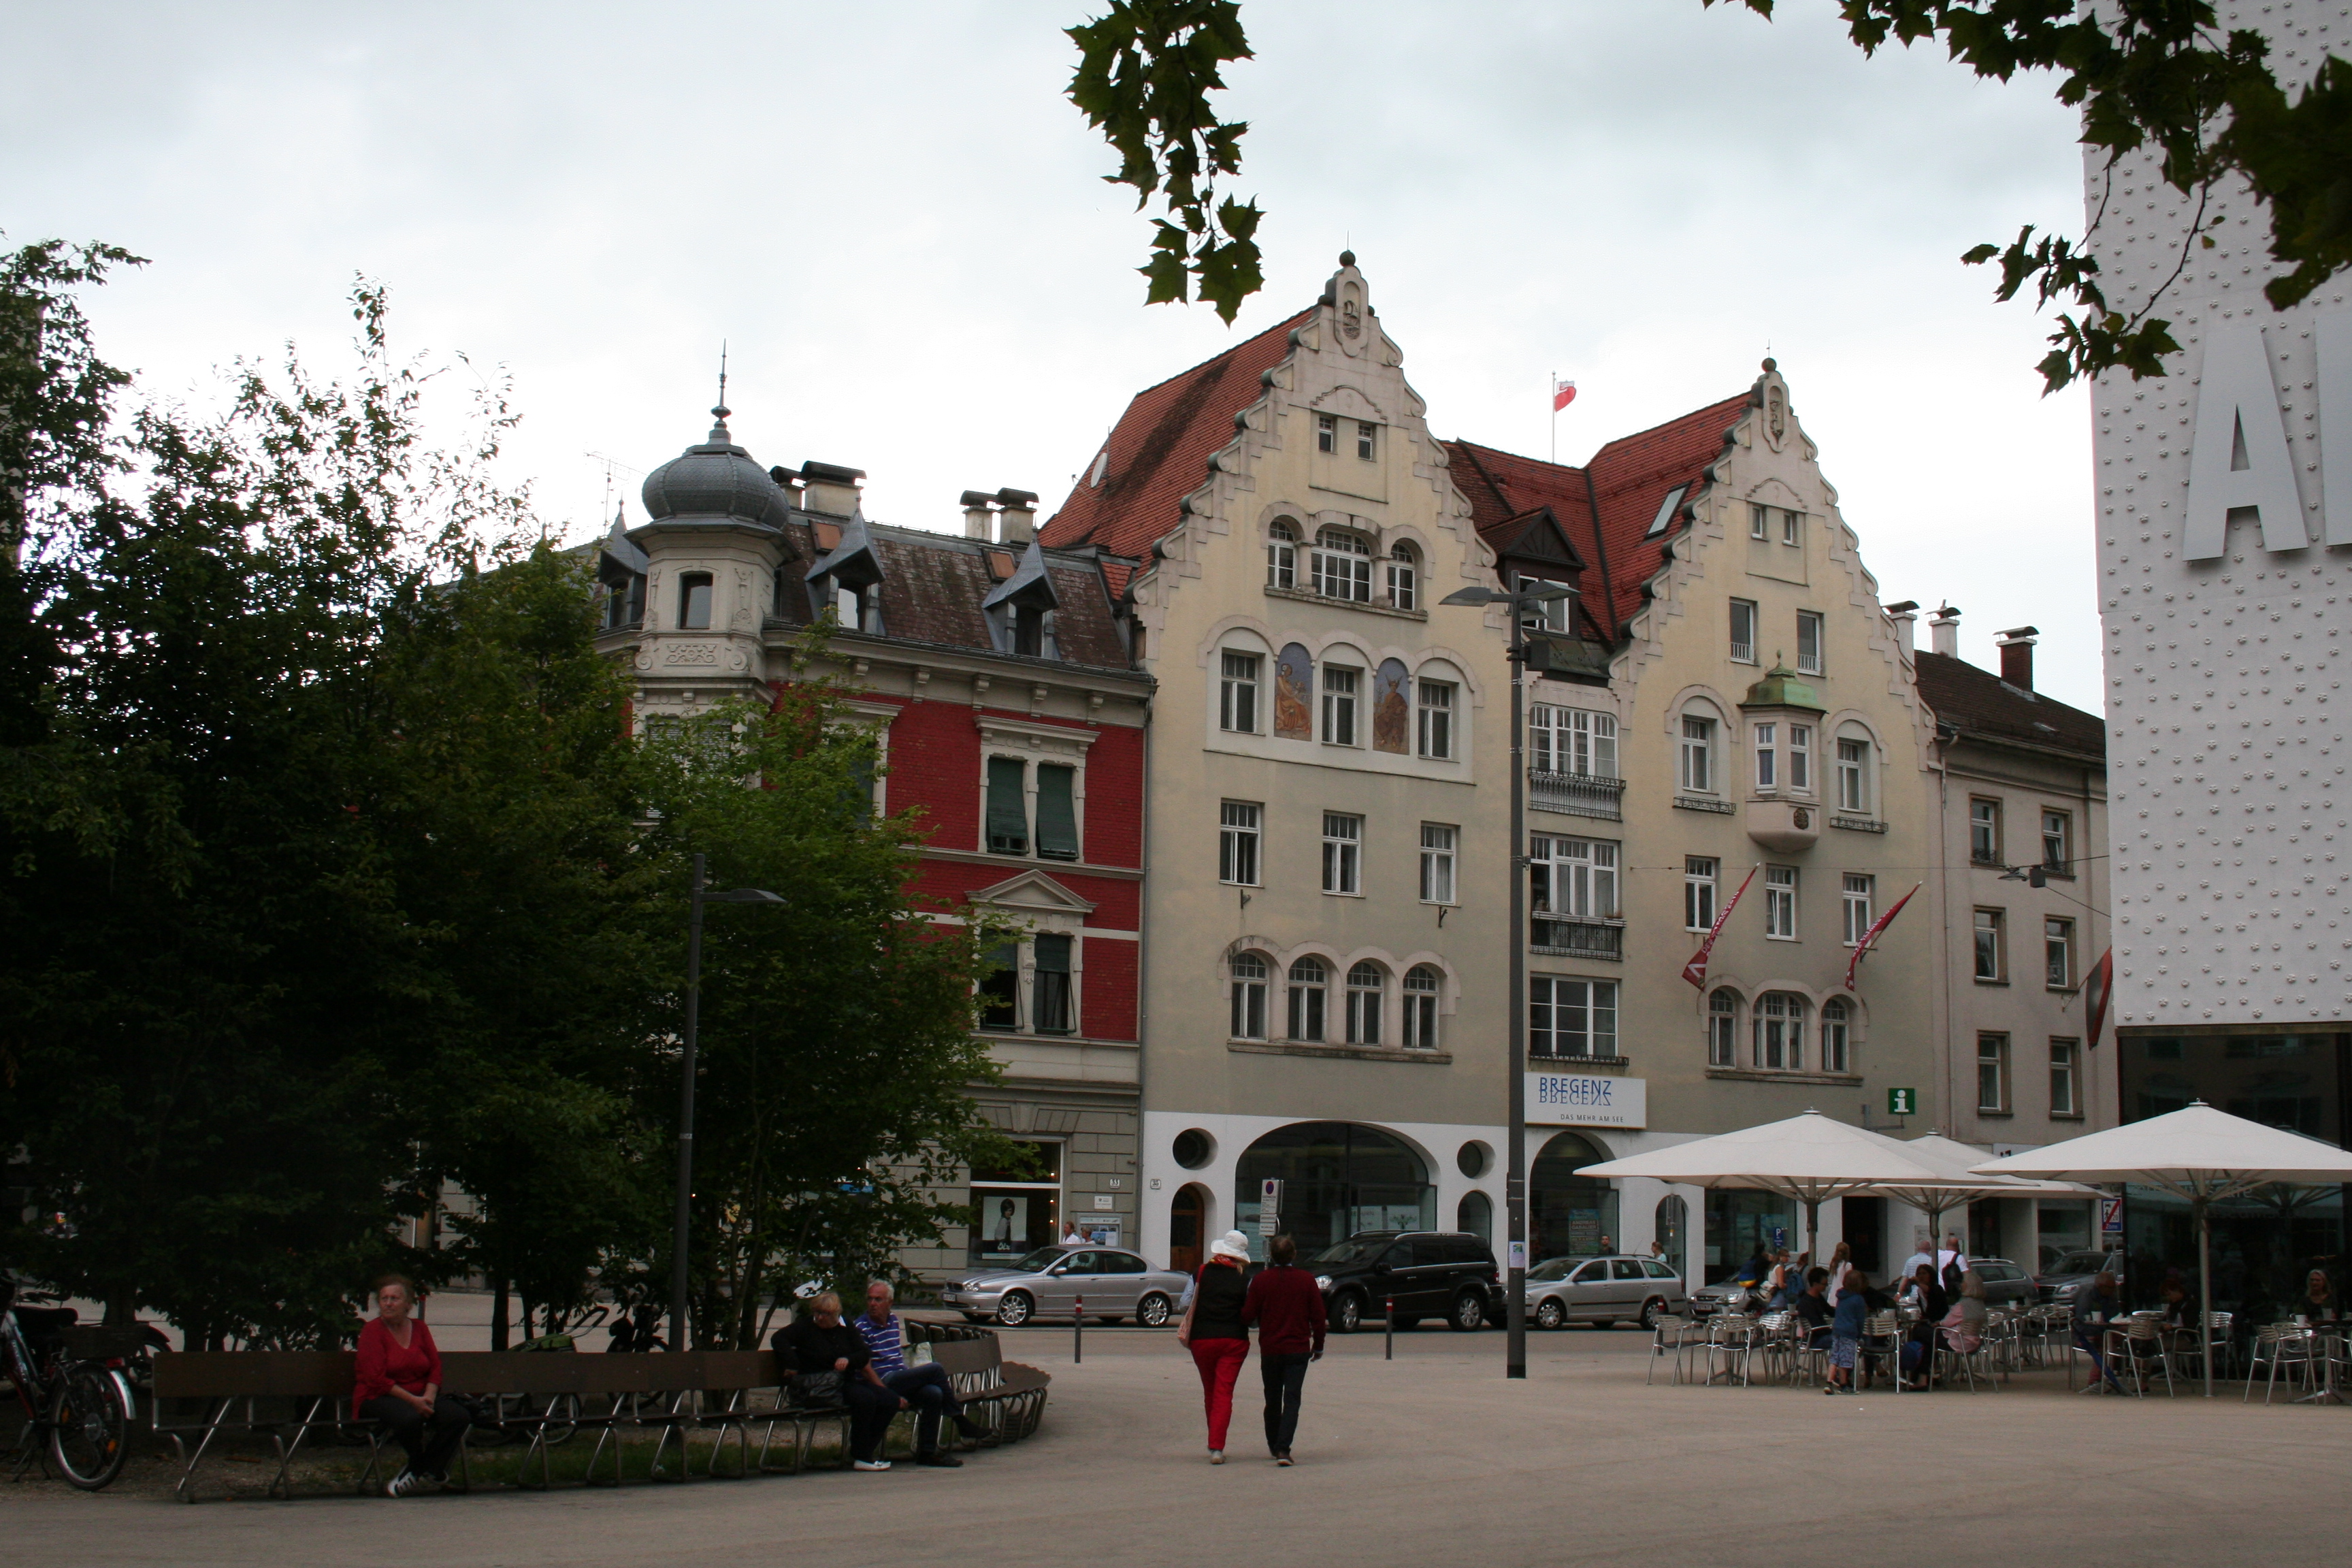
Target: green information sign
(1902, 1102)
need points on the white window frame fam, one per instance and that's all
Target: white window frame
(1793, 526)
(1440, 843)
(1365, 1003)
(1702, 887)
(1854, 759)
(1810, 627)
(1404, 578)
(1343, 854)
(2066, 1073)
(1859, 899)
(1575, 741)
(1984, 824)
(1342, 687)
(2057, 952)
(1367, 442)
(1239, 689)
(1549, 997)
(1547, 615)
(1694, 754)
(1281, 554)
(1743, 650)
(1993, 954)
(1342, 564)
(1992, 1072)
(1240, 843)
(1433, 713)
(1573, 878)
(1777, 1031)
(1248, 997)
(1299, 1009)
(1837, 1035)
(1723, 1027)
(2064, 824)
(1759, 518)
(1421, 988)
(1327, 433)
(1800, 759)
(1780, 903)
(1766, 737)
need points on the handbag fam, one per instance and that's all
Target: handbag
(816, 1389)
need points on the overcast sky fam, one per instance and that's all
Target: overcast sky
(897, 224)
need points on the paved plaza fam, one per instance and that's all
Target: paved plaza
(1430, 1458)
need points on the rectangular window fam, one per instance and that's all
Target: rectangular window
(1781, 903)
(2062, 1079)
(1836, 1041)
(1793, 527)
(1000, 989)
(1701, 875)
(2057, 852)
(1860, 894)
(1984, 831)
(1722, 1030)
(1421, 1008)
(1057, 812)
(1743, 631)
(1768, 756)
(1572, 740)
(1436, 719)
(1365, 1005)
(1237, 842)
(1326, 432)
(694, 602)
(1571, 1017)
(1437, 843)
(1853, 777)
(1364, 440)
(1989, 944)
(1699, 742)
(1237, 699)
(1759, 517)
(1800, 757)
(1574, 878)
(1778, 1023)
(1404, 581)
(1050, 1006)
(1343, 849)
(1249, 997)
(1008, 810)
(1992, 1073)
(2058, 953)
(1339, 705)
(1307, 987)
(1809, 643)
(1281, 557)
(1342, 566)
(1547, 615)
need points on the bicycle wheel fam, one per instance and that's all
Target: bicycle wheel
(90, 1427)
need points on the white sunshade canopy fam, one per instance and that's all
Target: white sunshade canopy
(1958, 1178)
(2198, 1154)
(1811, 1158)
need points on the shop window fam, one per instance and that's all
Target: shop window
(1017, 1207)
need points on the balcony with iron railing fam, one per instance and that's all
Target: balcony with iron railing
(1577, 794)
(1567, 937)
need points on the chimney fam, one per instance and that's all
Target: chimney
(787, 481)
(830, 490)
(1944, 632)
(975, 504)
(1018, 521)
(2017, 656)
(1903, 615)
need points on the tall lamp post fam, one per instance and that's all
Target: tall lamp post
(696, 898)
(1515, 1178)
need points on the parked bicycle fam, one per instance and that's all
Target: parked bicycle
(73, 1385)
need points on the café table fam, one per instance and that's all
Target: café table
(2326, 1341)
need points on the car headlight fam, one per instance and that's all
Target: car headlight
(1323, 1283)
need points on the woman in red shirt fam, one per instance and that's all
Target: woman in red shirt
(399, 1385)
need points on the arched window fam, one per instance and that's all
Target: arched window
(1281, 556)
(1420, 1007)
(1722, 1029)
(1476, 1214)
(1696, 771)
(1837, 1015)
(1249, 997)
(1343, 566)
(1308, 980)
(1404, 578)
(1779, 1028)
(1367, 990)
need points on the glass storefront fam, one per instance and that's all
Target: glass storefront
(2266, 1243)
(1740, 1222)
(1016, 1208)
(1337, 1178)
(1569, 1215)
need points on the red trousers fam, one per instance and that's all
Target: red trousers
(1220, 1362)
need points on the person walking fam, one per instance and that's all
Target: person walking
(1212, 1330)
(1845, 1331)
(1288, 1310)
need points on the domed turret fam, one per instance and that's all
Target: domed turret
(716, 480)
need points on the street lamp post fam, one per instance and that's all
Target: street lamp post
(696, 898)
(1515, 1172)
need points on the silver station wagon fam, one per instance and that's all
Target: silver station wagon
(1053, 1280)
(1601, 1291)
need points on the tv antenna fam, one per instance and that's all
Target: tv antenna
(613, 465)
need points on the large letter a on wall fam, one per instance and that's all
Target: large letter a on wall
(2240, 459)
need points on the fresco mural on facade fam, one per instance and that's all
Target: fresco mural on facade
(1392, 709)
(1294, 694)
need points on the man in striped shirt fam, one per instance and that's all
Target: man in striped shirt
(927, 1388)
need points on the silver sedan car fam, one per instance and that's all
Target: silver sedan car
(1601, 1291)
(1052, 1281)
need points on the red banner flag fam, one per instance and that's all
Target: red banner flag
(1695, 969)
(2097, 986)
(1563, 392)
(1880, 924)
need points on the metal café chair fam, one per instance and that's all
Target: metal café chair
(1731, 1340)
(1882, 1340)
(1669, 1336)
(2281, 1347)
(2139, 1342)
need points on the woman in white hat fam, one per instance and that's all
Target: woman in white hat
(1213, 1331)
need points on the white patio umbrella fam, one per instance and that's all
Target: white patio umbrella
(2198, 1154)
(1807, 1158)
(1956, 1182)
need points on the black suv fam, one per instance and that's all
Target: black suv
(1427, 1273)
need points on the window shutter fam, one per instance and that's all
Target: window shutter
(1052, 1002)
(1057, 813)
(1008, 815)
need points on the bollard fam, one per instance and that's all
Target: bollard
(1079, 1332)
(1388, 1339)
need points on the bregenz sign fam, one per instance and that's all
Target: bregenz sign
(2238, 460)
(1586, 1099)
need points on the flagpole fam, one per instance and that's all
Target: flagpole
(1554, 396)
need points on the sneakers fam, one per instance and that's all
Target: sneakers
(1216, 1456)
(1283, 1457)
(1830, 1389)
(405, 1484)
(938, 1461)
(869, 1464)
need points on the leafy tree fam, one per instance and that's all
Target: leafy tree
(2155, 74)
(836, 1043)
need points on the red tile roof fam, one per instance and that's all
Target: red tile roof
(1159, 451)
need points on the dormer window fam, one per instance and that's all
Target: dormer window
(1343, 566)
(694, 602)
(1366, 440)
(1547, 615)
(1404, 578)
(625, 601)
(1029, 631)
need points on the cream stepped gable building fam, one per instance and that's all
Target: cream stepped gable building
(1760, 712)
(1326, 797)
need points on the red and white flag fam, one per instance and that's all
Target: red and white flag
(2097, 986)
(1863, 947)
(1563, 392)
(1695, 969)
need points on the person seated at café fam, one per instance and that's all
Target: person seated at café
(1927, 1293)
(2097, 1303)
(927, 1388)
(1964, 1325)
(1756, 1270)
(2318, 1303)
(1813, 1309)
(817, 1343)
(397, 1384)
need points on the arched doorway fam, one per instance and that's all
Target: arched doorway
(1674, 1229)
(1569, 1215)
(1337, 1178)
(1188, 1221)
(1476, 1214)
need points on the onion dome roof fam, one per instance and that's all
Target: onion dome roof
(716, 480)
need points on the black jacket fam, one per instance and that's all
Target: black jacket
(811, 1349)
(1217, 1303)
